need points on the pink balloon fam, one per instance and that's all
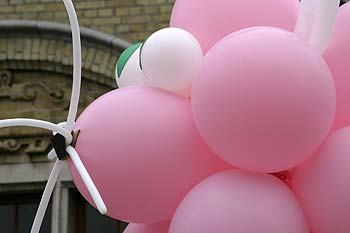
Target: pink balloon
(142, 149)
(236, 201)
(212, 20)
(263, 100)
(148, 228)
(337, 56)
(322, 184)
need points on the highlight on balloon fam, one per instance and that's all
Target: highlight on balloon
(228, 121)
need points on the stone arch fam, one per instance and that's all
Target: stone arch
(35, 79)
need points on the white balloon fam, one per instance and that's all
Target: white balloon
(170, 59)
(131, 73)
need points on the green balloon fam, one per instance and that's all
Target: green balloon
(125, 56)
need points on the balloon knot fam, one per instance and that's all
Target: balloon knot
(284, 176)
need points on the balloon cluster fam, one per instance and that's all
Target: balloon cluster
(228, 121)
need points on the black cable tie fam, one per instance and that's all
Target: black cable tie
(59, 144)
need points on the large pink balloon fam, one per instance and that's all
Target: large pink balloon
(236, 201)
(263, 100)
(323, 185)
(338, 56)
(212, 20)
(142, 149)
(147, 228)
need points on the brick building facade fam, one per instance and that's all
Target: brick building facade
(132, 20)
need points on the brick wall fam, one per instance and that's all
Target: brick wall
(132, 20)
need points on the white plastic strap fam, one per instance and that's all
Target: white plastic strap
(87, 180)
(74, 102)
(316, 22)
(324, 24)
(73, 109)
(39, 217)
(306, 19)
(38, 124)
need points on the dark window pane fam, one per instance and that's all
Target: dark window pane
(17, 213)
(46, 227)
(95, 222)
(89, 220)
(7, 219)
(26, 213)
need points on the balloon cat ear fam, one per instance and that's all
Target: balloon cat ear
(316, 22)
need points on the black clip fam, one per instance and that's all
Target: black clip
(59, 144)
